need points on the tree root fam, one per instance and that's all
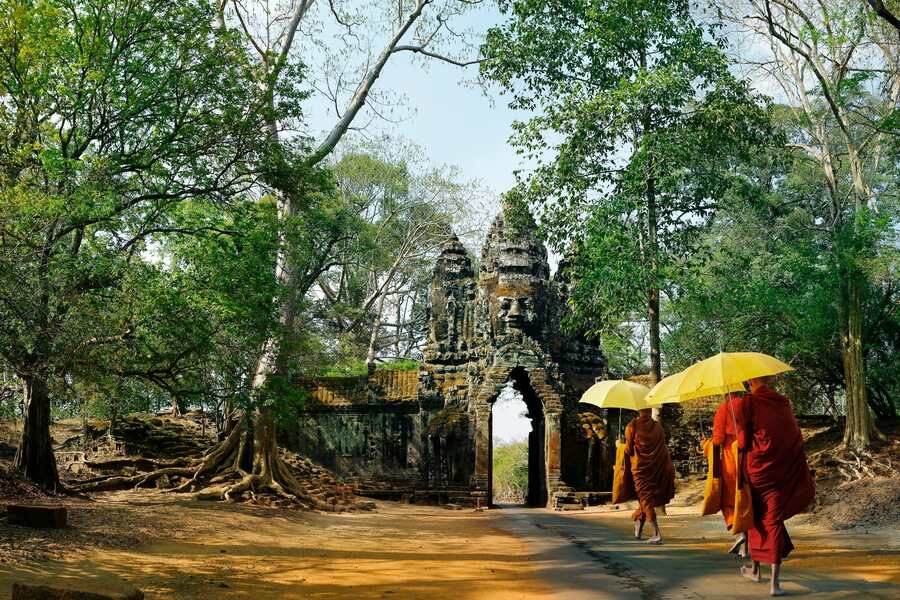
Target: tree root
(855, 465)
(218, 475)
(115, 482)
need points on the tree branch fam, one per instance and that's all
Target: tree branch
(882, 11)
(365, 87)
(441, 57)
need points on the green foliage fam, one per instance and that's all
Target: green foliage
(345, 368)
(349, 367)
(405, 210)
(771, 283)
(127, 130)
(402, 364)
(639, 119)
(510, 471)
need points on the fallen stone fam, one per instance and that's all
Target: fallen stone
(22, 591)
(46, 517)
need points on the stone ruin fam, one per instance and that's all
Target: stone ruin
(426, 435)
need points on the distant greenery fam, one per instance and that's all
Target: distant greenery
(401, 364)
(511, 472)
(357, 367)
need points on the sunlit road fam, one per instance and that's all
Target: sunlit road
(586, 555)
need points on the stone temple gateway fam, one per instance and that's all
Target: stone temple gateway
(426, 434)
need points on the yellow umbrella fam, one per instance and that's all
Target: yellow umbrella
(617, 393)
(719, 374)
(670, 390)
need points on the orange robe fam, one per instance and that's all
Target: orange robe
(651, 466)
(724, 436)
(780, 480)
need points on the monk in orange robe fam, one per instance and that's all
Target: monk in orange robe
(651, 470)
(780, 480)
(724, 435)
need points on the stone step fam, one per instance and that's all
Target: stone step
(578, 506)
(40, 516)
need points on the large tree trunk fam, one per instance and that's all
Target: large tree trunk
(372, 351)
(653, 293)
(655, 366)
(34, 457)
(178, 409)
(860, 426)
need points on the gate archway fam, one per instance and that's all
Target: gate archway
(536, 490)
(489, 327)
(545, 442)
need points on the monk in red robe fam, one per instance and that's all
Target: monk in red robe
(651, 470)
(780, 480)
(724, 435)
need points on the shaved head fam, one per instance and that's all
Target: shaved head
(758, 382)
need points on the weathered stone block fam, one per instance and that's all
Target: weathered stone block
(46, 517)
(22, 591)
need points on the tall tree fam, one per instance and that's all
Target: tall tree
(638, 119)
(839, 68)
(112, 115)
(272, 31)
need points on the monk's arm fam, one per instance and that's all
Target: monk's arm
(629, 439)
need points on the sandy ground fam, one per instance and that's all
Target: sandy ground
(181, 549)
(226, 551)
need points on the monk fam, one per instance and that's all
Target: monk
(781, 484)
(724, 435)
(651, 470)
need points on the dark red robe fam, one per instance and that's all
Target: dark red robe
(651, 466)
(780, 480)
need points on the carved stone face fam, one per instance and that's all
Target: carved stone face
(517, 305)
(514, 283)
(514, 312)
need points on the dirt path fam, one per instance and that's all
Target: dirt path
(590, 555)
(245, 552)
(190, 550)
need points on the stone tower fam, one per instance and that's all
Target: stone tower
(501, 327)
(425, 434)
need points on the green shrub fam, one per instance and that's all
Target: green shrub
(511, 472)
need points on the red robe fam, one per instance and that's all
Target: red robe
(724, 436)
(651, 465)
(780, 481)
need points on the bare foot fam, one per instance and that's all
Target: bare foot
(776, 591)
(750, 573)
(655, 540)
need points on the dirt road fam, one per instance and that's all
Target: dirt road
(186, 550)
(591, 555)
(236, 551)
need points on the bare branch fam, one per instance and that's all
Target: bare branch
(447, 59)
